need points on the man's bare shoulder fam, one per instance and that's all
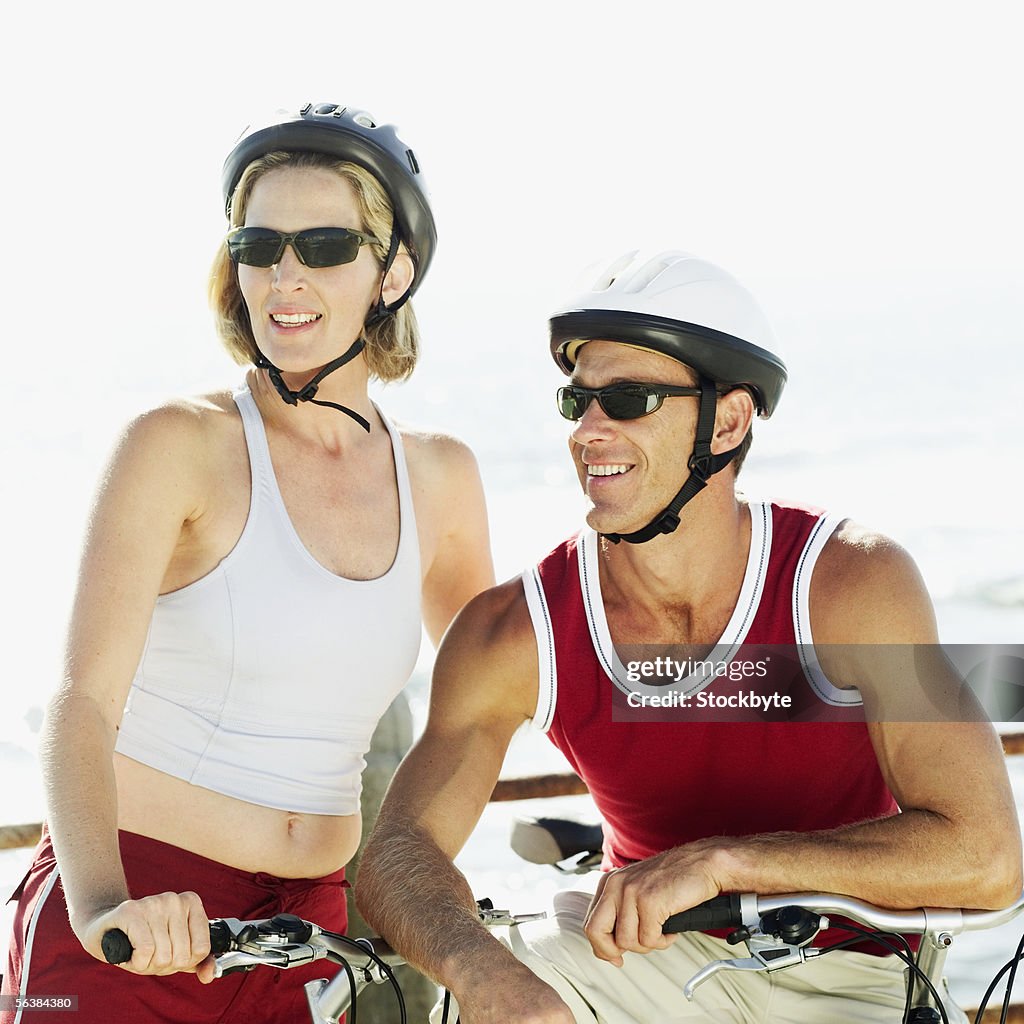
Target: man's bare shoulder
(867, 588)
(488, 657)
(496, 620)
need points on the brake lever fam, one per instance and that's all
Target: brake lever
(503, 918)
(768, 952)
(281, 957)
(771, 957)
(282, 941)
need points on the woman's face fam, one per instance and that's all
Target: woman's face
(303, 317)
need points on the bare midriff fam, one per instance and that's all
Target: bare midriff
(231, 831)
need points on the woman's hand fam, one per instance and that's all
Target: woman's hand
(169, 933)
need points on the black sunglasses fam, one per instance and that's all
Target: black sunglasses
(315, 247)
(625, 401)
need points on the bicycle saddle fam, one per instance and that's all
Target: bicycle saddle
(550, 840)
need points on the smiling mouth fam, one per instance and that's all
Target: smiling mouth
(294, 319)
(609, 470)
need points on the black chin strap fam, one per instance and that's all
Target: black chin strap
(308, 392)
(702, 465)
(380, 311)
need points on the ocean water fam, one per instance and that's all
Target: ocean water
(901, 412)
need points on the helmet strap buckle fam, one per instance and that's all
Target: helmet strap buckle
(381, 309)
(701, 461)
(307, 393)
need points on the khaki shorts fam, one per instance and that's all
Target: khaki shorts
(648, 989)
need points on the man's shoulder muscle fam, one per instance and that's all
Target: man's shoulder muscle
(488, 659)
(866, 588)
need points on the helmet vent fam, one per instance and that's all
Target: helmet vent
(645, 275)
(365, 120)
(411, 157)
(611, 275)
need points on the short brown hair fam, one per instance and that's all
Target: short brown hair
(392, 344)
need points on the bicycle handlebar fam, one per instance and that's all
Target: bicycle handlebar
(721, 911)
(777, 931)
(733, 910)
(727, 910)
(261, 941)
(118, 949)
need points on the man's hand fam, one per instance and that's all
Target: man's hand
(632, 903)
(169, 932)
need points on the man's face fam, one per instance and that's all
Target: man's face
(631, 469)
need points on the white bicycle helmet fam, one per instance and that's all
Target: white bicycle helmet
(689, 309)
(684, 307)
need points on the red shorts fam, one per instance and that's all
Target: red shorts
(45, 958)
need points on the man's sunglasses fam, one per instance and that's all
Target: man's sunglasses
(625, 401)
(315, 247)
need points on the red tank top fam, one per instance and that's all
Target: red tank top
(660, 784)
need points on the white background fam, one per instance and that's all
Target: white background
(858, 166)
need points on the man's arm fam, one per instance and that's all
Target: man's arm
(484, 687)
(956, 841)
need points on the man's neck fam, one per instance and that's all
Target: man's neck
(681, 587)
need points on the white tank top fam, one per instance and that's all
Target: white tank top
(264, 680)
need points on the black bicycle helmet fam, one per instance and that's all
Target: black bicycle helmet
(348, 134)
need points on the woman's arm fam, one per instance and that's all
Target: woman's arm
(148, 496)
(450, 498)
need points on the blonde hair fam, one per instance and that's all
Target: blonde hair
(392, 344)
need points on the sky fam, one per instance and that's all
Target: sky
(835, 157)
(822, 152)
(785, 139)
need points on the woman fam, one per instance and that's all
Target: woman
(250, 598)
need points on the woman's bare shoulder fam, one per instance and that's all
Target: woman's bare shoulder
(182, 443)
(182, 423)
(435, 449)
(439, 463)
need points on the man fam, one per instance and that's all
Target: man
(668, 356)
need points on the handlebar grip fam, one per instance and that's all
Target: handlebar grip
(221, 938)
(721, 911)
(117, 947)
